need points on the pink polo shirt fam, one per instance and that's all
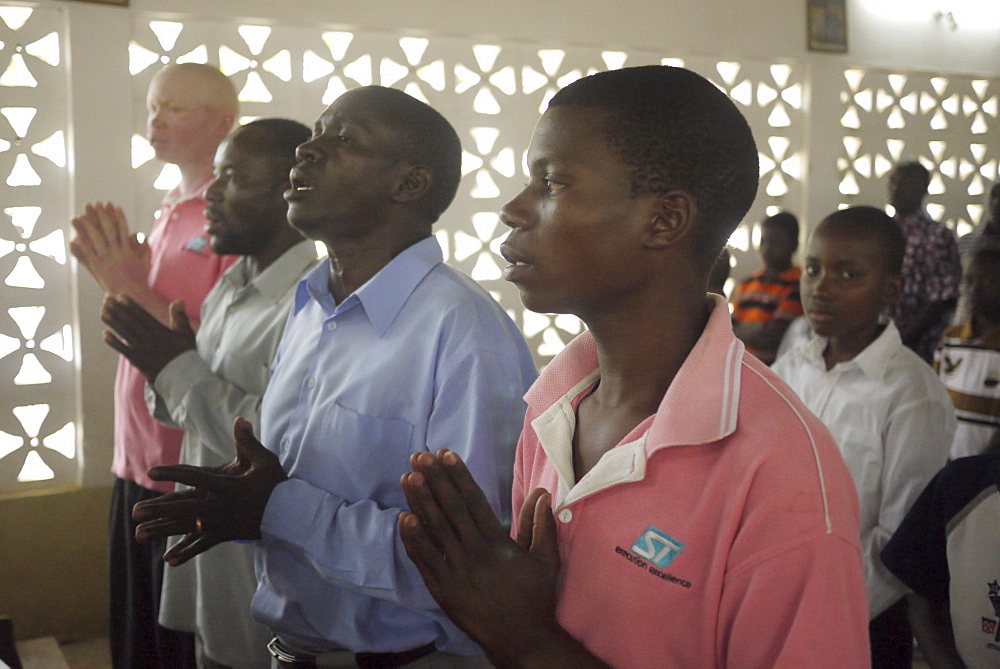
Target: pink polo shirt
(723, 531)
(183, 267)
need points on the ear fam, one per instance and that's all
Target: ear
(227, 122)
(892, 289)
(413, 184)
(671, 216)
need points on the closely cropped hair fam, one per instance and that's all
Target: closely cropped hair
(876, 224)
(784, 221)
(283, 136)
(424, 137)
(676, 130)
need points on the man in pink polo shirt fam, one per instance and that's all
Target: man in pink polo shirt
(677, 505)
(191, 109)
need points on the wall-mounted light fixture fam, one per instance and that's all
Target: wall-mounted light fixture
(955, 14)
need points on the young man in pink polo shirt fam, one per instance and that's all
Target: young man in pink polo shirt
(677, 505)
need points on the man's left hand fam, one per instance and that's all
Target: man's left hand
(224, 504)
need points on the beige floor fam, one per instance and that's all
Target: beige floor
(46, 653)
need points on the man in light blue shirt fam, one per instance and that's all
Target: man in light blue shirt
(387, 352)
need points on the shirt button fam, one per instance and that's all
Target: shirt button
(565, 515)
(285, 444)
(173, 217)
(311, 383)
(331, 326)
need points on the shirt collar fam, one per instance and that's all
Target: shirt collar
(873, 361)
(385, 293)
(276, 280)
(699, 407)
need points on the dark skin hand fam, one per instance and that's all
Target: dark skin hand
(931, 623)
(146, 342)
(500, 592)
(228, 500)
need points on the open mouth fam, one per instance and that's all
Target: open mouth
(300, 184)
(513, 257)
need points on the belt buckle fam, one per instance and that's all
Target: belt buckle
(277, 652)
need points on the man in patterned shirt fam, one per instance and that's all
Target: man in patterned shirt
(931, 267)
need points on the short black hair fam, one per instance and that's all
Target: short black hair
(279, 137)
(875, 223)
(784, 221)
(424, 137)
(917, 169)
(677, 130)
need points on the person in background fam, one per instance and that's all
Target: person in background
(931, 270)
(887, 410)
(677, 505)
(202, 384)
(968, 358)
(190, 109)
(947, 551)
(987, 233)
(767, 302)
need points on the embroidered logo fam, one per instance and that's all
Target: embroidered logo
(989, 625)
(657, 546)
(197, 244)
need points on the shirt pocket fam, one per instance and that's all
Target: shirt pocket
(366, 454)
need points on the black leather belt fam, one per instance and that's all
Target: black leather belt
(290, 660)
(388, 660)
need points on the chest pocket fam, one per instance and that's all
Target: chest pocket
(366, 454)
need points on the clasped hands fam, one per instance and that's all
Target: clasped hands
(113, 255)
(146, 342)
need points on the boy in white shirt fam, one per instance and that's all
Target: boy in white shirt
(890, 415)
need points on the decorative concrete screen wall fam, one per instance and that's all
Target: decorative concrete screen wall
(492, 92)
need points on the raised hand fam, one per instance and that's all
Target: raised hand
(224, 503)
(501, 592)
(113, 256)
(142, 339)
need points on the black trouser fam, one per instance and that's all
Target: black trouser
(891, 638)
(136, 576)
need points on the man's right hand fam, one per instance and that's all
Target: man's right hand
(224, 503)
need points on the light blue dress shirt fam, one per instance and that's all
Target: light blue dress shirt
(418, 358)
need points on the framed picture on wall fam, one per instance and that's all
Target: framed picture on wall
(827, 25)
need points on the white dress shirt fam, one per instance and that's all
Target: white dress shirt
(203, 392)
(893, 421)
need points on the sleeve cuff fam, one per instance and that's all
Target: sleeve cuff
(174, 380)
(290, 511)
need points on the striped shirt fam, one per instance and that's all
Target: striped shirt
(969, 367)
(759, 300)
